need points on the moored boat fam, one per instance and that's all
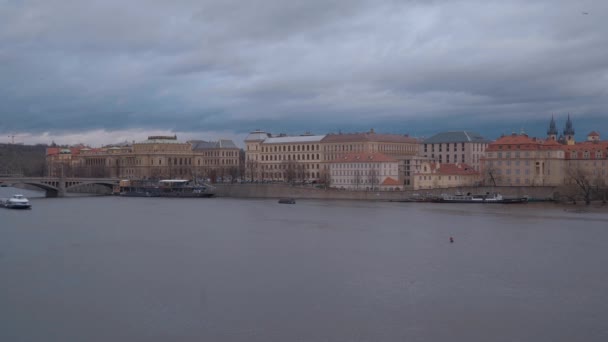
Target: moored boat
(487, 198)
(16, 202)
(164, 188)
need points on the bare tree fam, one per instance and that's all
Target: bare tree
(581, 181)
(325, 178)
(490, 175)
(372, 177)
(252, 168)
(357, 179)
(233, 172)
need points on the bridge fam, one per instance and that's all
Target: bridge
(57, 187)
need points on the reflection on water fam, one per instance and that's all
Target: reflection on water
(151, 269)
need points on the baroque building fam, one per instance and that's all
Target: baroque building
(157, 157)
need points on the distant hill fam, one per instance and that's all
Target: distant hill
(27, 160)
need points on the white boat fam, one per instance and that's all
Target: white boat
(16, 202)
(487, 198)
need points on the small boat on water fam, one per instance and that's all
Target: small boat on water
(287, 201)
(487, 198)
(16, 202)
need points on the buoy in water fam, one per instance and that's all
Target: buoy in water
(451, 239)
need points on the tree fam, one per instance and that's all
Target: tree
(252, 168)
(490, 175)
(325, 177)
(233, 172)
(579, 183)
(357, 179)
(372, 177)
(290, 167)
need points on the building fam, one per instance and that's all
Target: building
(400, 147)
(455, 147)
(437, 175)
(365, 171)
(156, 157)
(283, 158)
(588, 159)
(518, 159)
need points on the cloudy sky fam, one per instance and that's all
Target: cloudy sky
(114, 70)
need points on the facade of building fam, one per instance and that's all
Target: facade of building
(283, 158)
(400, 147)
(157, 157)
(520, 160)
(436, 175)
(365, 171)
(554, 161)
(455, 147)
(588, 159)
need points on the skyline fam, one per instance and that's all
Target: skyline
(106, 72)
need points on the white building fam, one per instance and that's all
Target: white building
(365, 171)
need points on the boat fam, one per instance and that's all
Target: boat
(287, 201)
(164, 188)
(16, 202)
(487, 198)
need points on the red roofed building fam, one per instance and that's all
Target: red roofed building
(520, 160)
(444, 175)
(365, 171)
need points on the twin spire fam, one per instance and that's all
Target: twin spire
(568, 132)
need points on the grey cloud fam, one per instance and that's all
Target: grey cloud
(201, 65)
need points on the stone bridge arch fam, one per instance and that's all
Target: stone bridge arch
(52, 188)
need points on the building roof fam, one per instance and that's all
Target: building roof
(522, 142)
(161, 140)
(368, 136)
(365, 157)
(456, 137)
(208, 145)
(257, 135)
(593, 134)
(294, 139)
(390, 181)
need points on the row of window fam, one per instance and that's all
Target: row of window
(281, 157)
(440, 147)
(289, 167)
(290, 148)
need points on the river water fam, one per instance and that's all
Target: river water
(150, 269)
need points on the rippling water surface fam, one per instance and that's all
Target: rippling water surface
(150, 269)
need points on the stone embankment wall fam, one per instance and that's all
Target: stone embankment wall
(281, 190)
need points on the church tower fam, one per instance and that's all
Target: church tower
(569, 132)
(552, 131)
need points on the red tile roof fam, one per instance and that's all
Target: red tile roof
(364, 157)
(590, 146)
(390, 181)
(522, 142)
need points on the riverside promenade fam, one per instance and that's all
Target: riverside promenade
(307, 192)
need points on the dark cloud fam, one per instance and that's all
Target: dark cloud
(403, 66)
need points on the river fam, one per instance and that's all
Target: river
(152, 269)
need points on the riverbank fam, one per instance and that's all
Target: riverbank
(307, 192)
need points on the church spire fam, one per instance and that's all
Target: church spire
(552, 131)
(569, 131)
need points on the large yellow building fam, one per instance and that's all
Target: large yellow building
(156, 157)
